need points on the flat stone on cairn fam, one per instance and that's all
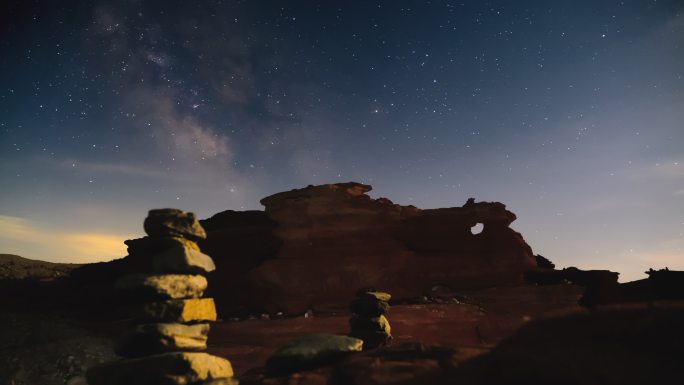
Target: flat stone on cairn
(166, 343)
(173, 223)
(163, 286)
(179, 310)
(147, 339)
(368, 321)
(183, 259)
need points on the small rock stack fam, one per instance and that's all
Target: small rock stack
(368, 321)
(166, 343)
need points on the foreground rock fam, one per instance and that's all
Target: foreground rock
(310, 351)
(163, 347)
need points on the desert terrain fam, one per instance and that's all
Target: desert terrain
(467, 308)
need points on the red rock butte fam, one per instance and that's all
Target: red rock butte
(315, 247)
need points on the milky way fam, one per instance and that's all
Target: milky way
(570, 113)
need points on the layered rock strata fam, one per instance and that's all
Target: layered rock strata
(166, 343)
(368, 321)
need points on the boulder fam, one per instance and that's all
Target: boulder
(312, 350)
(168, 286)
(149, 339)
(178, 368)
(173, 223)
(179, 310)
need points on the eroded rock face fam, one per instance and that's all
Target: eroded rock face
(336, 239)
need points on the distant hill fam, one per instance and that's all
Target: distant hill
(16, 267)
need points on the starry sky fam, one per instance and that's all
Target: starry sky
(569, 112)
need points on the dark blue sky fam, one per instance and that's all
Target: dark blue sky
(571, 113)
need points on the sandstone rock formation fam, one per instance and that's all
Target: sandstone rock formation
(663, 284)
(336, 239)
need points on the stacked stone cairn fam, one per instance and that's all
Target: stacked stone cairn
(168, 336)
(368, 321)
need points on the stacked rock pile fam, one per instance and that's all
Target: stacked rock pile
(166, 343)
(368, 321)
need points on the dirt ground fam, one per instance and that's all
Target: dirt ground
(43, 349)
(478, 321)
(49, 345)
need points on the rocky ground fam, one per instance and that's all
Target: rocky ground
(50, 332)
(39, 348)
(44, 340)
(38, 343)
(475, 321)
(620, 344)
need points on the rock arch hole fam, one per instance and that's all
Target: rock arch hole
(477, 228)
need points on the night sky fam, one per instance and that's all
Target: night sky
(571, 113)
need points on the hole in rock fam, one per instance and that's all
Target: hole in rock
(477, 228)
